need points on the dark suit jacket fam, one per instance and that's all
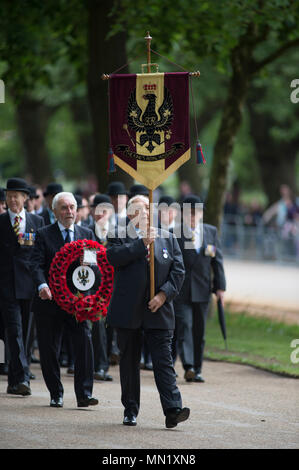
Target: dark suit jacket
(128, 305)
(46, 216)
(15, 275)
(199, 281)
(49, 240)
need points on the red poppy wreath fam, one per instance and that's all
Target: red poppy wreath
(90, 307)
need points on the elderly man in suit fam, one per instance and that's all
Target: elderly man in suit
(17, 236)
(131, 310)
(50, 192)
(101, 210)
(50, 318)
(202, 256)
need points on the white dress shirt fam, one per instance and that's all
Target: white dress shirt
(197, 238)
(22, 214)
(99, 230)
(63, 233)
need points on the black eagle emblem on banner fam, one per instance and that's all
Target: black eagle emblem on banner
(151, 121)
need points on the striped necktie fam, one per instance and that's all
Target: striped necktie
(16, 225)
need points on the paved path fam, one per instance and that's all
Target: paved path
(237, 407)
(268, 288)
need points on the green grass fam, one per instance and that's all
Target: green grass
(255, 341)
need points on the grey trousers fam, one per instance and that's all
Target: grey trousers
(190, 324)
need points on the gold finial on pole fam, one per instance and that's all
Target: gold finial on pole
(148, 38)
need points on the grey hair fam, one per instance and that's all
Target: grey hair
(59, 196)
(134, 198)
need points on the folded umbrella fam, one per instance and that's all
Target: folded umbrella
(221, 318)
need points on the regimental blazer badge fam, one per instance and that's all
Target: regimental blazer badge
(149, 124)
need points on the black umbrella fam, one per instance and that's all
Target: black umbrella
(221, 318)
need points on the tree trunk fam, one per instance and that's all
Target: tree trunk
(32, 120)
(81, 118)
(105, 55)
(230, 124)
(244, 66)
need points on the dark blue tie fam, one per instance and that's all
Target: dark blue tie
(67, 237)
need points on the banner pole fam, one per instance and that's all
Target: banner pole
(148, 38)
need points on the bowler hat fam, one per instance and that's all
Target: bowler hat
(2, 194)
(100, 199)
(116, 188)
(79, 201)
(138, 189)
(167, 200)
(33, 194)
(53, 188)
(17, 184)
(192, 199)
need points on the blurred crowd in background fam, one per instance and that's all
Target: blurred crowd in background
(248, 230)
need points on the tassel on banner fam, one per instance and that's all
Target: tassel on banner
(111, 164)
(199, 155)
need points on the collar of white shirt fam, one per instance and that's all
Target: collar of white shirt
(62, 228)
(12, 215)
(138, 231)
(99, 230)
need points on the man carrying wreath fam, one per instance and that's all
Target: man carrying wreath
(50, 318)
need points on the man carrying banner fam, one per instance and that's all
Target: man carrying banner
(131, 310)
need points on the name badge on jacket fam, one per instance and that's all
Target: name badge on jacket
(210, 250)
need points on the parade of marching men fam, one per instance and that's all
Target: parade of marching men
(149, 237)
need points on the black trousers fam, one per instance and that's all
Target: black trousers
(100, 349)
(17, 319)
(159, 344)
(49, 327)
(191, 325)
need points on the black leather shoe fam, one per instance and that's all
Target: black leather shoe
(130, 420)
(176, 416)
(22, 388)
(198, 378)
(102, 375)
(189, 374)
(89, 401)
(56, 402)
